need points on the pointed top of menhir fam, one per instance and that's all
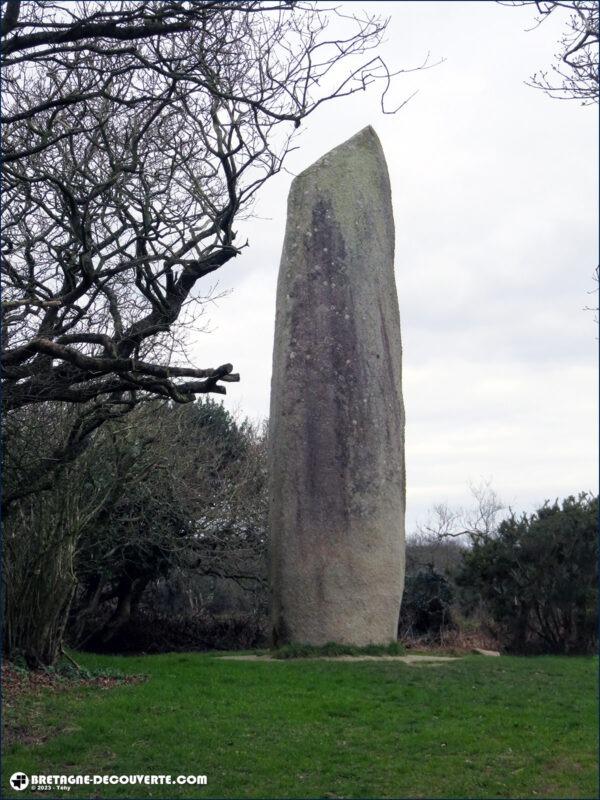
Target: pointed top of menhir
(365, 139)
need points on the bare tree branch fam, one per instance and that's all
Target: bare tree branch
(574, 76)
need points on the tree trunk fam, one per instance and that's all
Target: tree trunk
(122, 613)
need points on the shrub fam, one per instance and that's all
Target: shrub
(151, 633)
(537, 577)
(426, 605)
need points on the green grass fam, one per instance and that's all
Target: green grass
(333, 649)
(477, 728)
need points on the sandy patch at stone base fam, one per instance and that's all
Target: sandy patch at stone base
(413, 660)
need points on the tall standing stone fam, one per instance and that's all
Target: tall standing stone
(337, 476)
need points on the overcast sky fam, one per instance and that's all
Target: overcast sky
(495, 202)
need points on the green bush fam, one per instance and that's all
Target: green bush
(537, 577)
(150, 633)
(426, 604)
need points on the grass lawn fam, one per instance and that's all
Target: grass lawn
(477, 727)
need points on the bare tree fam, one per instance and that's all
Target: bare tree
(135, 135)
(574, 76)
(40, 535)
(595, 291)
(465, 525)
